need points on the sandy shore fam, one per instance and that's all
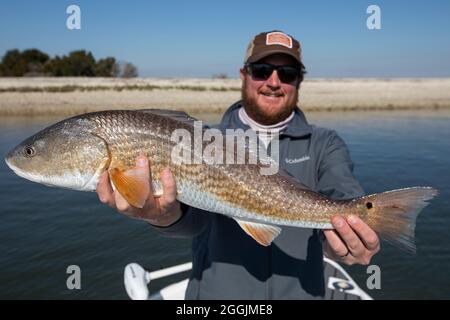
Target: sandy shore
(67, 96)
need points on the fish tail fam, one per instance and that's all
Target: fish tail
(395, 213)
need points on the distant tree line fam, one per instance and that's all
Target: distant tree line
(81, 63)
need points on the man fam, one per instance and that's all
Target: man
(227, 264)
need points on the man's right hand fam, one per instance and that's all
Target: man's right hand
(162, 211)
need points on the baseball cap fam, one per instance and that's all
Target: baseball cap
(268, 43)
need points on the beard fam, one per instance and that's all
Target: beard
(259, 115)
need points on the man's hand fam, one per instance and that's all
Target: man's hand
(352, 241)
(162, 211)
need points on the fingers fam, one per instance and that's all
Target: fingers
(335, 243)
(142, 161)
(348, 236)
(122, 204)
(352, 241)
(169, 190)
(365, 233)
(153, 208)
(104, 190)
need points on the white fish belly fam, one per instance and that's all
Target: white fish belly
(192, 195)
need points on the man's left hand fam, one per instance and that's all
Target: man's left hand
(352, 241)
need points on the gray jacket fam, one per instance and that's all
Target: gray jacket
(228, 264)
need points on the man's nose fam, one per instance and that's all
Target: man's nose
(273, 81)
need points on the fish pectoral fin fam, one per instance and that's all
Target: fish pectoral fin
(262, 233)
(131, 184)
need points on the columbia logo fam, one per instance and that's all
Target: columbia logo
(297, 160)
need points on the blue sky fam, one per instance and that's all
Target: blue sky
(201, 38)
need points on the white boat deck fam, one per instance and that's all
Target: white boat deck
(339, 284)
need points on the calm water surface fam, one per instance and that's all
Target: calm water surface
(44, 230)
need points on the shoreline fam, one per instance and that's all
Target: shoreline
(71, 96)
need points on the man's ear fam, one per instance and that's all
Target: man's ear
(242, 73)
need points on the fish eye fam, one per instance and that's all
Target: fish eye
(369, 205)
(29, 151)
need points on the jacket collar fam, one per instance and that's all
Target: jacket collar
(297, 128)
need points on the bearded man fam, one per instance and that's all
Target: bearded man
(227, 263)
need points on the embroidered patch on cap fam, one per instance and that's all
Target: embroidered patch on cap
(279, 38)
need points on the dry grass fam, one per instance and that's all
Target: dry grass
(67, 96)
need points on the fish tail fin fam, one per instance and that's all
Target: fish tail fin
(395, 213)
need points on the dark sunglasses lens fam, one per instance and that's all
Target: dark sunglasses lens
(261, 71)
(288, 74)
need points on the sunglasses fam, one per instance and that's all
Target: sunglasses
(263, 71)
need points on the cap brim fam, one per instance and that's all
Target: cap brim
(267, 53)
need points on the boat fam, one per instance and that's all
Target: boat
(339, 284)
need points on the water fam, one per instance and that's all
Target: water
(44, 230)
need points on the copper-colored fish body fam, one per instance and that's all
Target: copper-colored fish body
(74, 152)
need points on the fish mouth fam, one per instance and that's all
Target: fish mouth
(10, 165)
(18, 171)
(23, 174)
(64, 181)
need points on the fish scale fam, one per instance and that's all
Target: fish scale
(75, 152)
(270, 199)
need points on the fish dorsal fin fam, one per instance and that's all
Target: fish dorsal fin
(173, 114)
(261, 233)
(289, 178)
(131, 184)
